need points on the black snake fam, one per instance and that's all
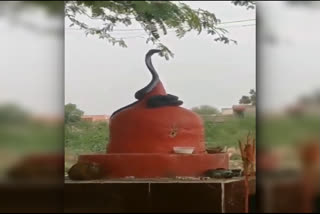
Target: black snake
(156, 100)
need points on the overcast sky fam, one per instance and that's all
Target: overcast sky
(288, 68)
(101, 78)
(31, 65)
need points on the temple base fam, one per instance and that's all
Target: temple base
(157, 165)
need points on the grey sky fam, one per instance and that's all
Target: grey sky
(101, 78)
(31, 65)
(289, 68)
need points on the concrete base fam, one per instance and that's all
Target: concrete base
(157, 165)
(158, 195)
(31, 197)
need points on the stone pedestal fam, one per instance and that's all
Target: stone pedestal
(156, 195)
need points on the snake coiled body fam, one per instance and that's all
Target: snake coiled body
(156, 100)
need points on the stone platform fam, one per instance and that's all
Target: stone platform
(156, 195)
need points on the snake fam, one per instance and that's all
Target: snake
(156, 100)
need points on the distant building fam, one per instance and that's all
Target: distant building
(207, 116)
(95, 118)
(227, 111)
(48, 119)
(246, 108)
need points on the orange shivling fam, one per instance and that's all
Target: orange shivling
(147, 135)
(155, 123)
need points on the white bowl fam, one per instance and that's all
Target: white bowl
(183, 150)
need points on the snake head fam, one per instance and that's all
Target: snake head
(153, 51)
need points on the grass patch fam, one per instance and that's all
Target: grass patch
(287, 130)
(30, 137)
(228, 133)
(86, 137)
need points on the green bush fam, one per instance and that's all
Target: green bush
(228, 133)
(86, 137)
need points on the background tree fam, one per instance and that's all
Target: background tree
(253, 97)
(12, 113)
(313, 98)
(249, 99)
(156, 18)
(205, 110)
(248, 4)
(245, 100)
(72, 113)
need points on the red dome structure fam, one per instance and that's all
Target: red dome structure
(155, 130)
(143, 136)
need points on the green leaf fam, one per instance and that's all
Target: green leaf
(153, 16)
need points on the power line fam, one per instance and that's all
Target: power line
(141, 29)
(133, 37)
(248, 25)
(229, 22)
(142, 36)
(245, 20)
(171, 30)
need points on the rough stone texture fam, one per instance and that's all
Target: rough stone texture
(155, 196)
(125, 197)
(28, 198)
(234, 197)
(184, 197)
(130, 195)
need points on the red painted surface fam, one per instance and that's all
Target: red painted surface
(157, 165)
(142, 141)
(155, 130)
